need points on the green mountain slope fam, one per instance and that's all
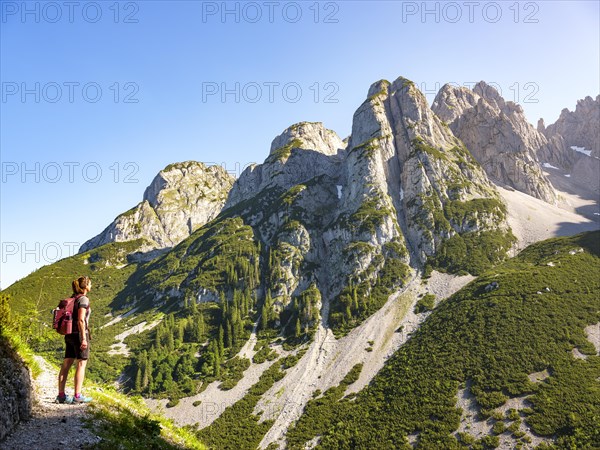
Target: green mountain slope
(492, 341)
(33, 298)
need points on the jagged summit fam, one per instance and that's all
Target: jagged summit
(498, 135)
(579, 128)
(309, 135)
(180, 199)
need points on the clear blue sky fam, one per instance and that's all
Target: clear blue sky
(535, 51)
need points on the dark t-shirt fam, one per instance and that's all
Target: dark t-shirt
(81, 302)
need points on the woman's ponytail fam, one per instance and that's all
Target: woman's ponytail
(79, 285)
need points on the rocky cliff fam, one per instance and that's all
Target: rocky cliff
(180, 199)
(574, 143)
(498, 135)
(579, 128)
(15, 389)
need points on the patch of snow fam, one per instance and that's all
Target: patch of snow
(582, 150)
(339, 189)
(401, 194)
(568, 175)
(549, 166)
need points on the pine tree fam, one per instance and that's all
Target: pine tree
(138, 380)
(148, 378)
(220, 343)
(180, 330)
(146, 375)
(170, 343)
(297, 328)
(158, 337)
(227, 334)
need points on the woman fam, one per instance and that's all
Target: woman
(77, 343)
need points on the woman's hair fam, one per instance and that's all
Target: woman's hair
(80, 284)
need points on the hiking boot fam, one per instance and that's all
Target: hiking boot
(82, 399)
(66, 399)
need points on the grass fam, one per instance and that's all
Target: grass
(124, 422)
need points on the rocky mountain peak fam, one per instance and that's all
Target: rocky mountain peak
(309, 135)
(579, 128)
(181, 198)
(498, 135)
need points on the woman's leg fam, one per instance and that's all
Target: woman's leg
(79, 375)
(64, 373)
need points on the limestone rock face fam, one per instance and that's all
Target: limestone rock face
(419, 164)
(311, 135)
(302, 152)
(498, 135)
(180, 199)
(579, 128)
(337, 212)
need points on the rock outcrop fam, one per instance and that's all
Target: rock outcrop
(579, 128)
(302, 152)
(180, 199)
(350, 213)
(498, 135)
(15, 389)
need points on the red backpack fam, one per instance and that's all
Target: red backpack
(63, 315)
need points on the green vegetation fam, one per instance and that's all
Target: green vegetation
(124, 422)
(220, 257)
(11, 343)
(494, 339)
(370, 215)
(263, 353)
(237, 428)
(473, 252)
(367, 149)
(419, 146)
(467, 213)
(427, 303)
(322, 412)
(33, 297)
(283, 153)
(367, 293)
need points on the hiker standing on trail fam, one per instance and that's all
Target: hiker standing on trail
(77, 343)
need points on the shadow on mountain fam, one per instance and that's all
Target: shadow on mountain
(572, 186)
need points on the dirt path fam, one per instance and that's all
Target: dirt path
(52, 426)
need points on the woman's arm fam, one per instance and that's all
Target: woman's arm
(81, 325)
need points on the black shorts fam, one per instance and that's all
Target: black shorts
(73, 346)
